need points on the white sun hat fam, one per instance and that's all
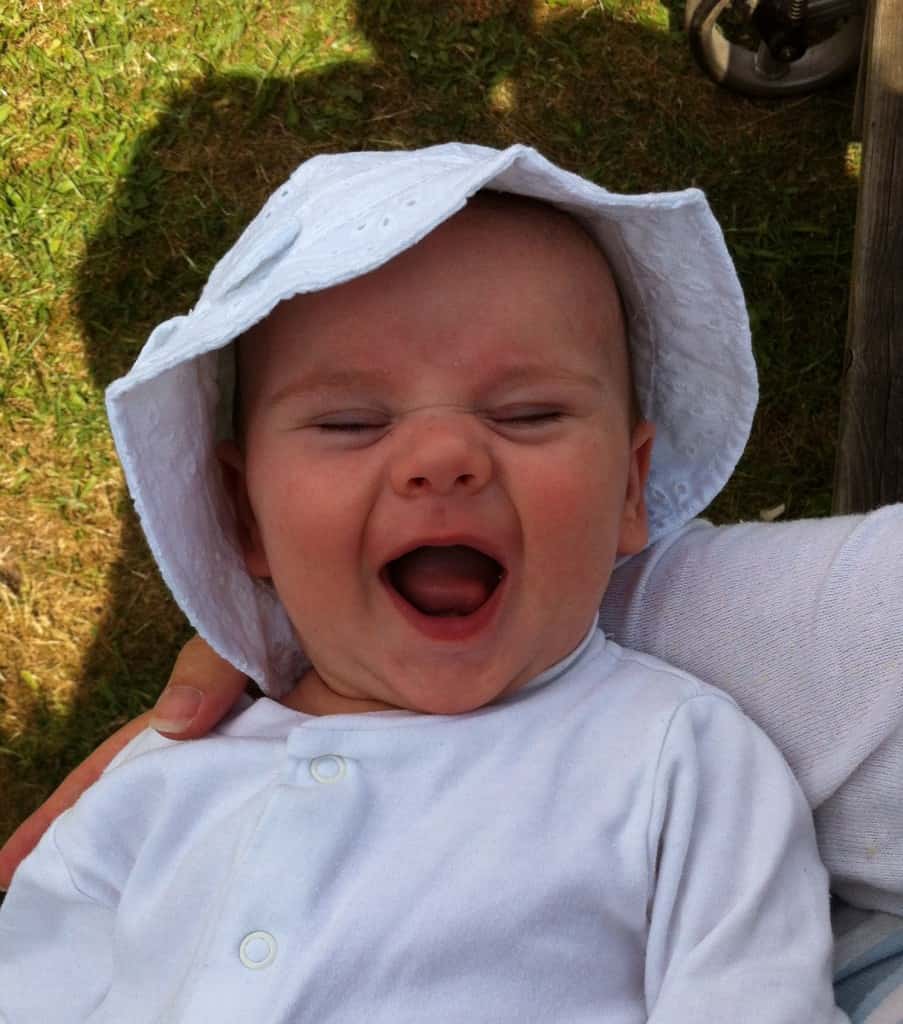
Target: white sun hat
(340, 216)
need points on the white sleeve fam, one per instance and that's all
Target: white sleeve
(802, 623)
(55, 941)
(57, 923)
(739, 924)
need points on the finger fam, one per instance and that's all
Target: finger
(27, 835)
(202, 688)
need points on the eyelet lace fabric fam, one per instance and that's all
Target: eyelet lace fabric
(340, 216)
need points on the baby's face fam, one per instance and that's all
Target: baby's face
(438, 464)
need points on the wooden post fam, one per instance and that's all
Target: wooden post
(869, 467)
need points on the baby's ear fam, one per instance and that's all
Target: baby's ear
(232, 464)
(634, 534)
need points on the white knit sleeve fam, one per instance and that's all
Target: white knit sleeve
(738, 922)
(802, 623)
(57, 923)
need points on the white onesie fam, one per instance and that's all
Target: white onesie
(614, 842)
(802, 624)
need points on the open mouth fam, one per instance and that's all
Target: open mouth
(445, 582)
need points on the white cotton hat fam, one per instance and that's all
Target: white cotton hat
(340, 216)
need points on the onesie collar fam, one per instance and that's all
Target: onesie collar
(267, 717)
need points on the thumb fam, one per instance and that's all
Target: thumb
(201, 690)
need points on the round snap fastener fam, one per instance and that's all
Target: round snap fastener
(258, 949)
(328, 768)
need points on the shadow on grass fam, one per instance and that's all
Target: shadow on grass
(610, 99)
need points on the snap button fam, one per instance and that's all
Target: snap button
(258, 949)
(328, 768)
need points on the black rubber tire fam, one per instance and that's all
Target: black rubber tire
(752, 72)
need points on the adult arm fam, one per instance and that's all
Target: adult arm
(802, 623)
(201, 689)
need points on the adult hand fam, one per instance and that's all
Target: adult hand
(201, 689)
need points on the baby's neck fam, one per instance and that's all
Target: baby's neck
(312, 696)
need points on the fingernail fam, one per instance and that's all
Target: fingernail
(176, 708)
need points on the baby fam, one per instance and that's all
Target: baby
(467, 804)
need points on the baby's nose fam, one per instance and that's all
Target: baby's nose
(440, 455)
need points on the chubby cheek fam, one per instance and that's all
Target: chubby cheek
(308, 525)
(572, 534)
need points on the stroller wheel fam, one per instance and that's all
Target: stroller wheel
(725, 43)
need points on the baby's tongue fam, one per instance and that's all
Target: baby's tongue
(445, 581)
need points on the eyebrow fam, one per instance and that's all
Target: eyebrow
(345, 380)
(540, 373)
(332, 380)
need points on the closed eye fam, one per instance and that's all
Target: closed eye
(350, 420)
(349, 427)
(529, 419)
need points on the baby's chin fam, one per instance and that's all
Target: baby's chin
(315, 695)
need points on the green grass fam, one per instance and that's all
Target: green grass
(136, 139)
